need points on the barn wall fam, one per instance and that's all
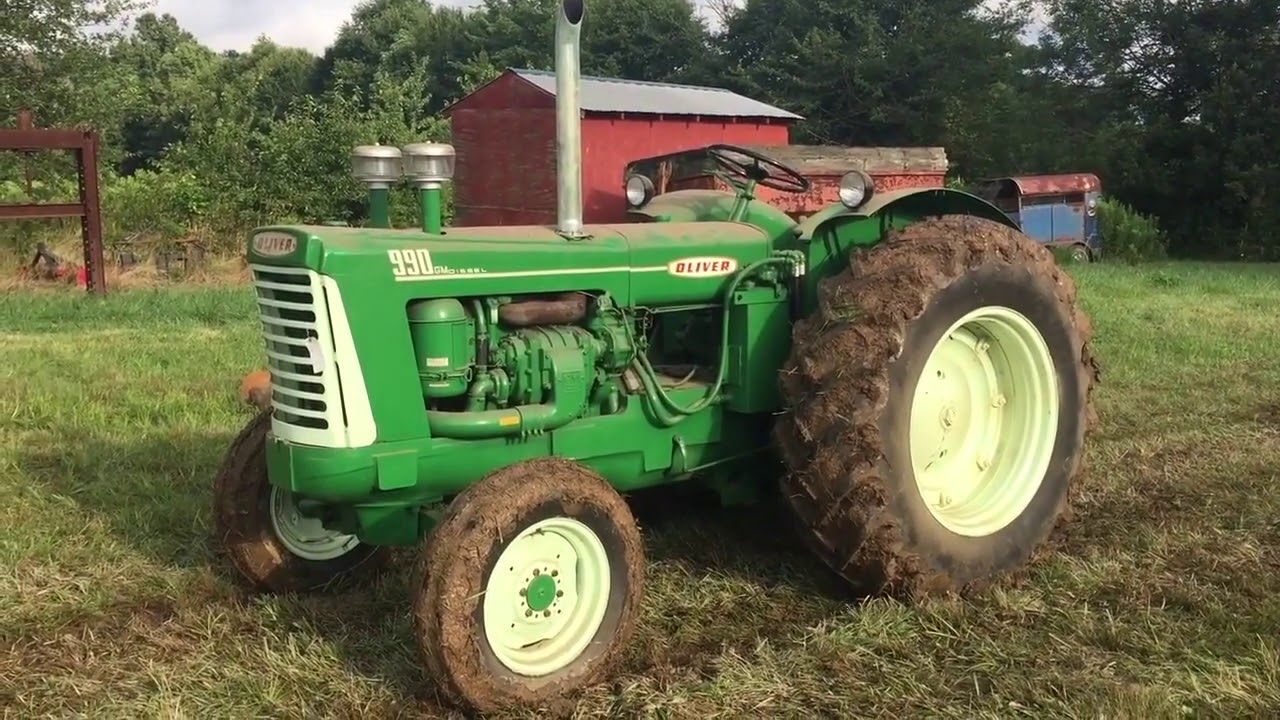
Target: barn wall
(506, 167)
(505, 137)
(505, 92)
(824, 190)
(892, 168)
(610, 143)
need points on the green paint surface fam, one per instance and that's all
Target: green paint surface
(423, 309)
(540, 593)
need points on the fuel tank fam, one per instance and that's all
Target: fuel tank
(688, 262)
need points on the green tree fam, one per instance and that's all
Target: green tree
(265, 81)
(402, 39)
(655, 40)
(884, 72)
(171, 75)
(1185, 104)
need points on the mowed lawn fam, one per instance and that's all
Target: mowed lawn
(1161, 599)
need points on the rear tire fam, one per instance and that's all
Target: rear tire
(274, 548)
(939, 400)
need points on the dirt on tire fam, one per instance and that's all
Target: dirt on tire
(242, 521)
(837, 384)
(464, 547)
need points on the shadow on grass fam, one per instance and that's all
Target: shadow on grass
(152, 491)
(719, 579)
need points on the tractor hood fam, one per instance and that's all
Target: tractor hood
(623, 259)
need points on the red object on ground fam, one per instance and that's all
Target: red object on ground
(255, 389)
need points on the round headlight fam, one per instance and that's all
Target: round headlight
(639, 190)
(856, 189)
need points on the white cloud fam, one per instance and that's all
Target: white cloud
(236, 24)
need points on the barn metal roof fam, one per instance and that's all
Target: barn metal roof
(634, 96)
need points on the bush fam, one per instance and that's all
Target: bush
(1128, 235)
(152, 206)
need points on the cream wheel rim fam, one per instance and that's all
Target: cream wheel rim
(546, 597)
(984, 421)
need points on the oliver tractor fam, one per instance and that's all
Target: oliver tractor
(917, 369)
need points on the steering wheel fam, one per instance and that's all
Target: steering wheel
(785, 179)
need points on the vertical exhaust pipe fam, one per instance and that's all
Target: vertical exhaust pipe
(569, 119)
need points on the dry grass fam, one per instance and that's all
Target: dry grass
(220, 270)
(1162, 600)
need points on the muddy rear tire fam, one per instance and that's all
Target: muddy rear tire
(274, 548)
(531, 587)
(938, 399)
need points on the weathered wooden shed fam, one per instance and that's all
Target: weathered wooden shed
(505, 136)
(891, 168)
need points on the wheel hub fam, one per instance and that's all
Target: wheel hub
(983, 421)
(541, 592)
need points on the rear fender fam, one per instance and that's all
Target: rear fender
(829, 235)
(915, 203)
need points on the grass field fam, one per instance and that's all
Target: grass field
(1162, 600)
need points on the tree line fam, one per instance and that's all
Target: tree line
(1175, 104)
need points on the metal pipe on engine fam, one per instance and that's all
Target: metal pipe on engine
(569, 118)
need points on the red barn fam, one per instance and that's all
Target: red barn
(505, 136)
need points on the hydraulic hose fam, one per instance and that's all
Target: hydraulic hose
(649, 377)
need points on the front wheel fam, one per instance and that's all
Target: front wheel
(939, 403)
(532, 586)
(274, 545)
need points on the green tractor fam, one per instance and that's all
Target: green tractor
(917, 370)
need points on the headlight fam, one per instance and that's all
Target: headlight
(856, 189)
(639, 191)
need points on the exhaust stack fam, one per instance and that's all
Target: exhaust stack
(569, 119)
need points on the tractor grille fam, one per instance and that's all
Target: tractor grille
(299, 346)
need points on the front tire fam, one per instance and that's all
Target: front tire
(532, 586)
(939, 399)
(259, 529)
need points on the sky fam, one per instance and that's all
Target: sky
(235, 24)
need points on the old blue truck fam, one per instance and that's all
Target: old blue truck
(1057, 210)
